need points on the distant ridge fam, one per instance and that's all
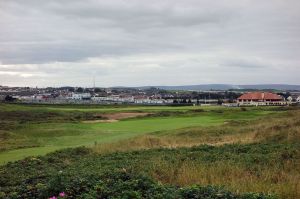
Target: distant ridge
(203, 87)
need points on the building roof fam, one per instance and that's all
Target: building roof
(260, 96)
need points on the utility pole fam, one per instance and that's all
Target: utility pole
(94, 83)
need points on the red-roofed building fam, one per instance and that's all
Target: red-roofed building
(260, 99)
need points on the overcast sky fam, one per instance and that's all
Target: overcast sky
(142, 42)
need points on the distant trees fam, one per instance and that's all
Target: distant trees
(220, 101)
(9, 98)
(285, 95)
(97, 90)
(79, 90)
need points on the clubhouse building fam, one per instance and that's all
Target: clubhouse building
(261, 99)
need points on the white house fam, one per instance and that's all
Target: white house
(290, 99)
(80, 96)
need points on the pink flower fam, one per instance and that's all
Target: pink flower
(62, 194)
(53, 197)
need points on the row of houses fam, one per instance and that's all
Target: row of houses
(88, 98)
(247, 99)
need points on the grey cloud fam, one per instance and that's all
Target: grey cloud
(92, 29)
(200, 39)
(247, 63)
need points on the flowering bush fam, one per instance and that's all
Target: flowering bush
(79, 173)
(60, 195)
(123, 184)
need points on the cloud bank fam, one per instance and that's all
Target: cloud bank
(139, 42)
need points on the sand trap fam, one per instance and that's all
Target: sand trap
(119, 116)
(99, 121)
(115, 117)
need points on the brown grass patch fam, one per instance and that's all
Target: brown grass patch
(284, 182)
(120, 116)
(114, 117)
(278, 129)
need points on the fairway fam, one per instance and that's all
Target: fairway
(31, 138)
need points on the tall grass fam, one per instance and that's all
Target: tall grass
(284, 182)
(238, 177)
(282, 128)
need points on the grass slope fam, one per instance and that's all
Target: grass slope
(226, 165)
(253, 151)
(35, 130)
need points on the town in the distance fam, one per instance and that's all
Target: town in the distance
(151, 96)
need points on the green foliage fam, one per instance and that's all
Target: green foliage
(38, 129)
(122, 184)
(83, 174)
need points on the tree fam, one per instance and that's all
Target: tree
(79, 90)
(71, 89)
(220, 101)
(98, 90)
(9, 98)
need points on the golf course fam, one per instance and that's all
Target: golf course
(167, 151)
(36, 130)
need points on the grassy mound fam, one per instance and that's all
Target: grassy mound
(82, 173)
(121, 184)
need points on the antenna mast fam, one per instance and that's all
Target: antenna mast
(94, 82)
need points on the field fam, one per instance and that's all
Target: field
(37, 130)
(253, 149)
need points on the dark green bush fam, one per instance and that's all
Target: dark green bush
(80, 173)
(121, 185)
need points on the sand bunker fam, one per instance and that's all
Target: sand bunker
(115, 117)
(99, 121)
(119, 116)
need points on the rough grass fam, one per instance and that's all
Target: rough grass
(245, 151)
(283, 181)
(36, 130)
(282, 177)
(277, 128)
(260, 167)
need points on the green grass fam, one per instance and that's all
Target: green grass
(241, 168)
(96, 108)
(252, 150)
(111, 108)
(37, 133)
(62, 135)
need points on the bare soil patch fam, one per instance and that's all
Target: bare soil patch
(120, 116)
(115, 117)
(99, 121)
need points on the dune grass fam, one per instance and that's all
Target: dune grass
(34, 130)
(257, 150)
(278, 128)
(270, 163)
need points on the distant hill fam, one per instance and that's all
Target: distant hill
(272, 86)
(203, 87)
